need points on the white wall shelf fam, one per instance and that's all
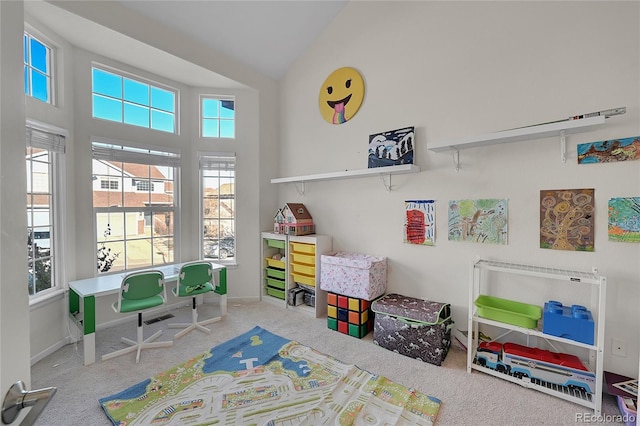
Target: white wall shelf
(347, 174)
(559, 129)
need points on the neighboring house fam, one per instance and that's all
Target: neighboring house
(218, 205)
(118, 184)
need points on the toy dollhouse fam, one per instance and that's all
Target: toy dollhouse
(293, 219)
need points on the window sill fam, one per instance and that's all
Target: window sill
(50, 297)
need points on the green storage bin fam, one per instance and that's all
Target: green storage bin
(275, 283)
(274, 292)
(276, 273)
(508, 311)
(280, 244)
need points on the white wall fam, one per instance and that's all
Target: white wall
(14, 337)
(48, 318)
(455, 69)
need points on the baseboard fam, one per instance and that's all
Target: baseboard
(51, 349)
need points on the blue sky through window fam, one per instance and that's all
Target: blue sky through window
(129, 101)
(37, 69)
(218, 118)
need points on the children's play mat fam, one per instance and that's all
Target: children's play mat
(260, 378)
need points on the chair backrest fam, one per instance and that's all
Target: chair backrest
(142, 285)
(193, 275)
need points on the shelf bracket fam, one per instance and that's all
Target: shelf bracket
(456, 158)
(384, 182)
(563, 146)
(300, 188)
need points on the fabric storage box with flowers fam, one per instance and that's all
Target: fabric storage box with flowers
(353, 274)
(417, 328)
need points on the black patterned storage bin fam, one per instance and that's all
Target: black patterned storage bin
(413, 327)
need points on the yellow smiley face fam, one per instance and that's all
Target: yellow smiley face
(341, 95)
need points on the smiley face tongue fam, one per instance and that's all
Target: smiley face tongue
(339, 107)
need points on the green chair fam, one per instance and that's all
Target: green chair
(140, 291)
(195, 278)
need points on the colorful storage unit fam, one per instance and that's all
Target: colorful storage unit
(275, 270)
(571, 322)
(353, 274)
(349, 315)
(302, 262)
(416, 328)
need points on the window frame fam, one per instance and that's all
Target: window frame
(32, 33)
(58, 196)
(204, 161)
(202, 118)
(133, 154)
(127, 76)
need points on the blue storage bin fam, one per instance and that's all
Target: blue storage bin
(571, 322)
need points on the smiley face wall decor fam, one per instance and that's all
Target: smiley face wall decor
(341, 95)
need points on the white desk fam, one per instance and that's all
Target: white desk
(82, 302)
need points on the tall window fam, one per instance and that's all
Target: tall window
(37, 68)
(218, 117)
(133, 101)
(135, 211)
(218, 182)
(43, 156)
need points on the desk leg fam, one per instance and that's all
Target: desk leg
(89, 338)
(221, 289)
(83, 313)
(223, 305)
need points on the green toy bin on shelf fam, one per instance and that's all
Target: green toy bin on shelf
(508, 311)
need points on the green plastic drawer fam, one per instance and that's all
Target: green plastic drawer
(508, 311)
(275, 273)
(276, 283)
(276, 243)
(274, 292)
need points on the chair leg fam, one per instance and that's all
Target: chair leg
(194, 324)
(140, 344)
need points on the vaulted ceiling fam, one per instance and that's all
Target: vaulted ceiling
(266, 35)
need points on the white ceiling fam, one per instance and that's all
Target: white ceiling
(267, 35)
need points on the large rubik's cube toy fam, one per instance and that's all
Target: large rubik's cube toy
(349, 315)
